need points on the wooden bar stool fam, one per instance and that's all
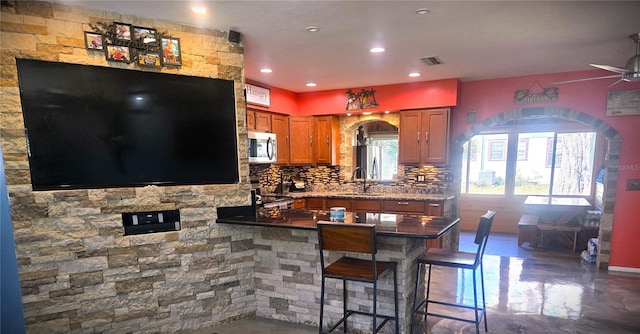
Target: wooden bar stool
(354, 238)
(461, 260)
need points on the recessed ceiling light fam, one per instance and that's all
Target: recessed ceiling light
(266, 70)
(423, 11)
(199, 9)
(377, 50)
(366, 113)
(414, 74)
(312, 28)
(311, 84)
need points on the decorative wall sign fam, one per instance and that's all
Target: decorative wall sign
(624, 103)
(361, 100)
(525, 96)
(123, 42)
(258, 95)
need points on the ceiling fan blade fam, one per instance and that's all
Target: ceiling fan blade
(610, 68)
(587, 79)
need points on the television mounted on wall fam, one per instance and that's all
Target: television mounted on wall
(102, 127)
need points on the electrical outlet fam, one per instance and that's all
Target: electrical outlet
(420, 178)
(633, 184)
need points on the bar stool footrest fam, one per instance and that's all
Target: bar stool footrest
(352, 312)
(419, 307)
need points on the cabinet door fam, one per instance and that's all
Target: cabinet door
(280, 126)
(263, 121)
(326, 138)
(435, 129)
(409, 207)
(299, 203)
(337, 202)
(251, 120)
(301, 140)
(315, 203)
(424, 136)
(409, 137)
(366, 205)
(433, 209)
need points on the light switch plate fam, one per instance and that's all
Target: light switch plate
(633, 184)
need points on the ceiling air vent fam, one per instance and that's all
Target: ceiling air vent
(430, 61)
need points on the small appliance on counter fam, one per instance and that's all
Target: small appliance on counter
(297, 184)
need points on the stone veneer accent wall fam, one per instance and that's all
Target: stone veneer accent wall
(612, 160)
(78, 273)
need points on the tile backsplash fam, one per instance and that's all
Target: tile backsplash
(437, 180)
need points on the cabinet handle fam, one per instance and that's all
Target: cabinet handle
(434, 205)
(327, 140)
(403, 203)
(426, 137)
(418, 137)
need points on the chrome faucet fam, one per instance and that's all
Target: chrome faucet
(364, 178)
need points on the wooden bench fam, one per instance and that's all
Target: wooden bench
(561, 228)
(528, 230)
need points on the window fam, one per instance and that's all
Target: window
(382, 157)
(527, 169)
(485, 161)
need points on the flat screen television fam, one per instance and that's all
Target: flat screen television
(101, 127)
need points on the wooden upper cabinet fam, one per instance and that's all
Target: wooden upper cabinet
(251, 120)
(435, 124)
(409, 137)
(327, 140)
(280, 126)
(258, 120)
(424, 136)
(301, 140)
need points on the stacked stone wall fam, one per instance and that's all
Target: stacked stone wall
(78, 272)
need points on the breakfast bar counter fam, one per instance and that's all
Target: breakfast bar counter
(287, 264)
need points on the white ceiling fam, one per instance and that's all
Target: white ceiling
(475, 39)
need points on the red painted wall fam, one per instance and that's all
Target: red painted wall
(282, 101)
(489, 97)
(424, 94)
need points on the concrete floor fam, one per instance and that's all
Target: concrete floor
(528, 291)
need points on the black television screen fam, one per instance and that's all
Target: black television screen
(102, 127)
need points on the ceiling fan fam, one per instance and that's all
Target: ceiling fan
(630, 72)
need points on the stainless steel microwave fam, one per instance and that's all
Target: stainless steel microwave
(262, 148)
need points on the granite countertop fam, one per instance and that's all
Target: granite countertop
(395, 225)
(361, 195)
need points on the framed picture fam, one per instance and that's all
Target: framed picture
(147, 35)
(93, 41)
(171, 51)
(149, 59)
(123, 30)
(118, 53)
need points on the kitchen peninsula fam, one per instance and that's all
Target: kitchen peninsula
(287, 273)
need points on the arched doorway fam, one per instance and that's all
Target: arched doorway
(611, 159)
